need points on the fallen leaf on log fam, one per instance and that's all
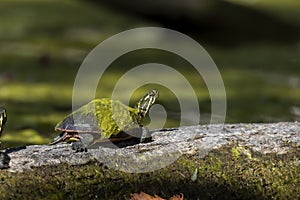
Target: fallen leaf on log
(144, 196)
(177, 197)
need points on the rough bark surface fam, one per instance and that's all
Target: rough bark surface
(166, 147)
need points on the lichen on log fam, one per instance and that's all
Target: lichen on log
(236, 161)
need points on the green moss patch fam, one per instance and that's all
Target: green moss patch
(222, 174)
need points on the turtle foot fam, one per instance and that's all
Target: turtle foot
(4, 160)
(146, 140)
(79, 147)
(146, 136)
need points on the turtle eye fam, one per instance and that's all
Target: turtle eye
(147, 101)
(153, 93)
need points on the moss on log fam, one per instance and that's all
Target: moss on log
(238, 161)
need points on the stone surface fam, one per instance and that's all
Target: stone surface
(166, 147)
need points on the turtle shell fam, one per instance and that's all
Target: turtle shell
(103, 116)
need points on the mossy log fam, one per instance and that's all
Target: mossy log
(234, 161)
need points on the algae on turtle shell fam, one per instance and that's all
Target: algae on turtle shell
(105, 116)
(106, 119)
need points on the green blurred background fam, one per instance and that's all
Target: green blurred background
(254, 43)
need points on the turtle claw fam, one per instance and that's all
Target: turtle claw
(79, 147)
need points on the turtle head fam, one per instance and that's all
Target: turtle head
(146, 102)
(3, 117)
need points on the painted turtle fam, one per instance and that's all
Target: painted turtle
(105, 119)
(3, 117)
(4, 158)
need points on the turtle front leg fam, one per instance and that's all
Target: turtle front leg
(81, 145)
(78, 146)
(146, 135)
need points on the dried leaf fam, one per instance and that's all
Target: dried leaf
(177, 197)
(144, 196)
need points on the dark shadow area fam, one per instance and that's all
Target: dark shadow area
(203, 189)
(126, 143)
(115, 145)
(215, 21)
(4, 156)
(10, 150)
